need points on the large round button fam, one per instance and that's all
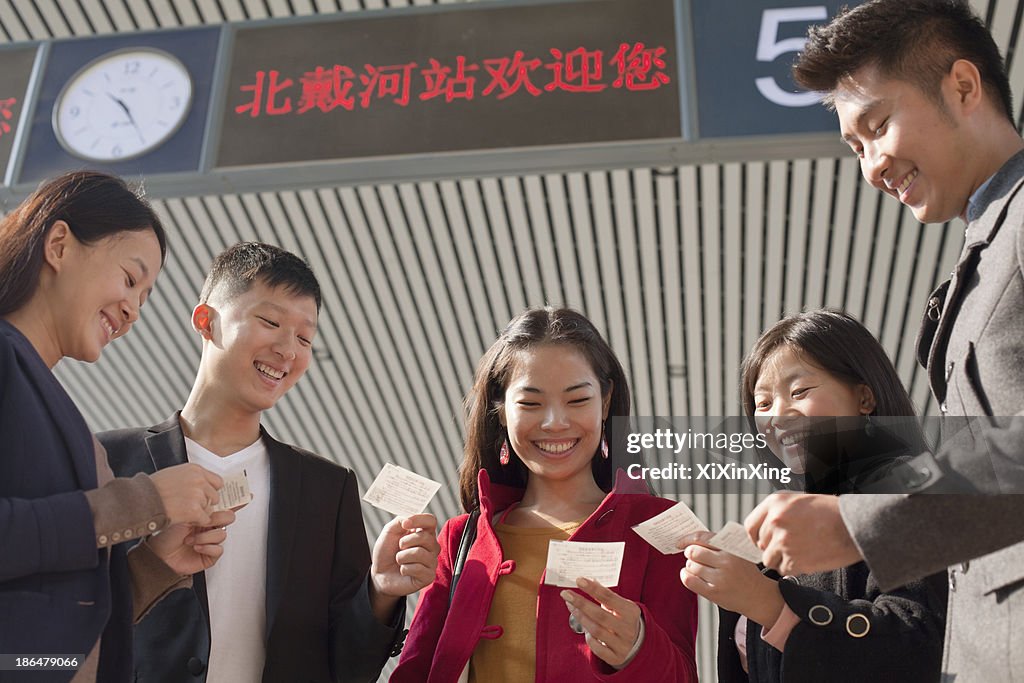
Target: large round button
(195, 666)
(820, 615)
(857, 625)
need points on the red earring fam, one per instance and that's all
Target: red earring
(503, 454)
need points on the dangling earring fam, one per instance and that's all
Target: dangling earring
(503, 455)
(604, 443)
(869, 427)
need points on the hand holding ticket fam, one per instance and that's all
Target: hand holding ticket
(666, 530)
(663, 531)
(234, 493)
(401, 492)
(733, 538)
(570, 560)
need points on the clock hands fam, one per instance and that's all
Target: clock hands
(128, 113)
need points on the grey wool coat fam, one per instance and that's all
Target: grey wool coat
(972, 344)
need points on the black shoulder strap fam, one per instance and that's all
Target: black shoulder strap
(468, 537)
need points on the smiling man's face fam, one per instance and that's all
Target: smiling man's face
(909, 146)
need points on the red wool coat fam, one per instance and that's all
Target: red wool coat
(442, 638)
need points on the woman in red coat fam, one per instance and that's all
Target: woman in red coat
(536, 468)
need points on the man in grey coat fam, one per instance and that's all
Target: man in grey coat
(923, 99)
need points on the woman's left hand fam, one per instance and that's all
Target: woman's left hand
(612, 625)
(729, 581)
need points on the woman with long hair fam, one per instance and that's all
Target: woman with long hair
(536, 469)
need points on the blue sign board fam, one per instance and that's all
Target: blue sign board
(744, 52)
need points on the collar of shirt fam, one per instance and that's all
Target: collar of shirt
(974, 204)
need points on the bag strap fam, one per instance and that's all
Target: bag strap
(468, 537)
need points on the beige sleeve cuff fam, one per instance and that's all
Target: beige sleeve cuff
(125, 509)
(151, 580)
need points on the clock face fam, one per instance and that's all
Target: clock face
(122, 105)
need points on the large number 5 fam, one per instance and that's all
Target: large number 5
(769, 47)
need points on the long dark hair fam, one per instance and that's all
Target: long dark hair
(839, 344)
(94, 205)
(484, 433)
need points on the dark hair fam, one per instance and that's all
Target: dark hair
(94, 205)
(484, 433)
(237, 268)
(837, 343)
(911, 40)
(859, 452)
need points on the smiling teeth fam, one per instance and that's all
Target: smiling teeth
(560, 447)
(269, 371)
(906, 182)
(108, 327)
(790, 439)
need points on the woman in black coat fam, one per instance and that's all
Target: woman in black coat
(815, 385)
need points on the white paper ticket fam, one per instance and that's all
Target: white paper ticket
(400, 492)
(570, 560)
(733, 538)
(234, 493)
(664, 531)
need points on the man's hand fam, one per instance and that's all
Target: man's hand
(188, 492)
(801, 533)
(188, 549)
(404, 561)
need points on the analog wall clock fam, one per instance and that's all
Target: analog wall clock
(122, 104)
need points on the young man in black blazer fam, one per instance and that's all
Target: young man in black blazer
(295, 597)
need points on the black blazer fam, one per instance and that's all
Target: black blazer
(319, 623)
(58, 591)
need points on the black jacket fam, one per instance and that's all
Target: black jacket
(320, 626)
(903, 641)
(850, 630)
(59, 593)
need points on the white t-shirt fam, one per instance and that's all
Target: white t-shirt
(236, 586)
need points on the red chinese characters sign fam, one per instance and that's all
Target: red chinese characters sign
(487, 76)
(633, 67)
(16, 63)
(6, 114)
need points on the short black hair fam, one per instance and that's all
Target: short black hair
(236, 269)
(916, 41)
